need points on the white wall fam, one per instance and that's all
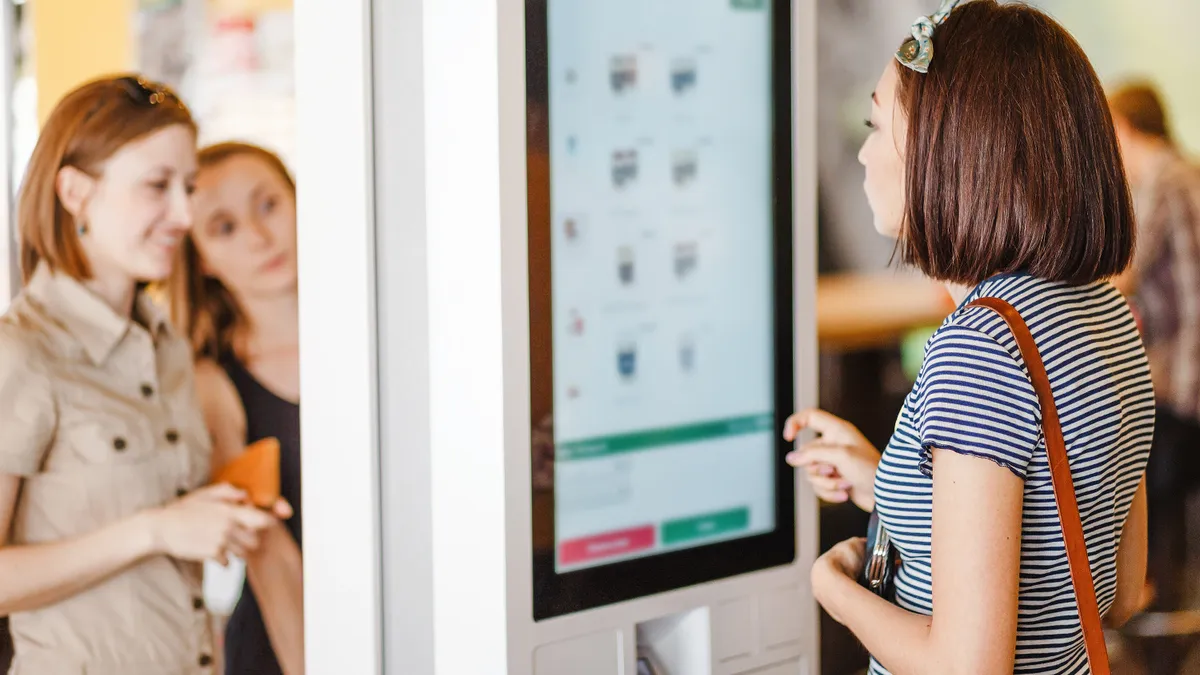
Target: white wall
(1155, 40)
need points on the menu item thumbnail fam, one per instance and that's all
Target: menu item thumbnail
(623, 73)
(683, 75)
(573, 228)
(624, 167)
(687, 354)
(625, 269)
(687, 257)
(627, 360)
(684, 167)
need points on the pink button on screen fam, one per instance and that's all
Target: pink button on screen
(607, 545)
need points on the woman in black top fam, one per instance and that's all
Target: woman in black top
(235, 296)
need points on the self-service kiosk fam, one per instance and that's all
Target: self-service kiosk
(577, 315)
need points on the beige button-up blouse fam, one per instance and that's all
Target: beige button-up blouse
(98, 415)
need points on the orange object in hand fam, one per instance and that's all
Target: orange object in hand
(256, 471)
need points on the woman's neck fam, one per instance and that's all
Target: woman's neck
(272, 325)
(116, 290)
(958, 293)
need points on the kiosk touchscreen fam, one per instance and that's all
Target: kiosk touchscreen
(660, 294)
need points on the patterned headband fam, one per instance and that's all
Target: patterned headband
(917, 53)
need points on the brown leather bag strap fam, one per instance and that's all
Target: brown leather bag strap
(1064, 486)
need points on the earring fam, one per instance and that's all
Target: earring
(82, 229)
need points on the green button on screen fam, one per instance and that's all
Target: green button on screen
(705, 526)
(746, 4)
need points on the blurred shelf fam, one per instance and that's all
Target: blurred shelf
(857, 312)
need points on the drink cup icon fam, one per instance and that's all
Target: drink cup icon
(683, 75)
(624, 167)
(627, 360)
(625, 268)
(623, 73)
(684, 167)
(686, 259)
(687, 355)
(572, 228)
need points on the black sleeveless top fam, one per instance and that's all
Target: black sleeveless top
(247, 647)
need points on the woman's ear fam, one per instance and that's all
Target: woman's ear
(73, 187)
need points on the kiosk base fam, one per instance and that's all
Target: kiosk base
(759, 634)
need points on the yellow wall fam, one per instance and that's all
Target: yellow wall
(78, 40)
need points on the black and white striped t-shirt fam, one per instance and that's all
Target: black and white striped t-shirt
(974, 396)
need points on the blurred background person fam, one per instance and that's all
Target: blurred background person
(1163, 285)
(105, 453)
(234, 294)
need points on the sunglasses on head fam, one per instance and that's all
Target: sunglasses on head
(141, 92)
(147, 93)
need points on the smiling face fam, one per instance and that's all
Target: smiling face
(134, 212)
(245, 231)
(882, 155)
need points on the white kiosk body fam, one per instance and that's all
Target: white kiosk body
(427, 305)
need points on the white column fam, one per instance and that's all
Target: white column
(10, 273)
(467, 405)
(399, 167)
(334, 154)
(405, 371)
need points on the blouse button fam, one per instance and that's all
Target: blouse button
(181, 492)
(119, 444)
(205, 660)
(197, 603)
(147, 390)
(172, 436)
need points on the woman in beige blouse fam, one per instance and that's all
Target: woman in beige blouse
(104, 453)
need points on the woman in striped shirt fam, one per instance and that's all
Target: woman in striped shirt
(999, 172)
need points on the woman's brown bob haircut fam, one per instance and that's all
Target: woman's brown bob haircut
(88, 126)
(1011, 159)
